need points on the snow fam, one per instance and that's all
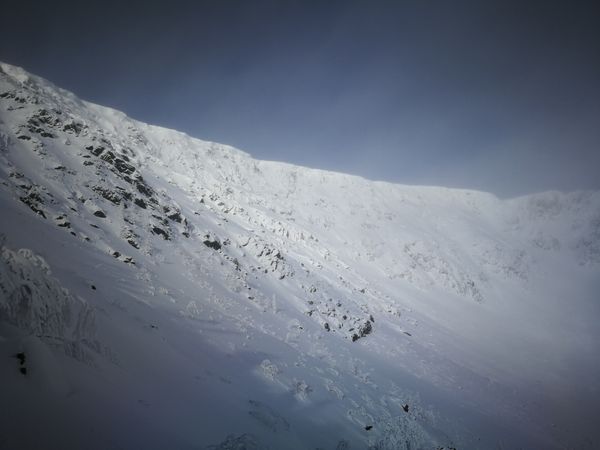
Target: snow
(170, 292)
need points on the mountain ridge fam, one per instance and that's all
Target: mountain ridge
(22, 76)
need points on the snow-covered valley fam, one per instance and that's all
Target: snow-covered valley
(159, 291)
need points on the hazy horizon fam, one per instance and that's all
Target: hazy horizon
(502, 98)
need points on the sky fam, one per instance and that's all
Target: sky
(501, 96)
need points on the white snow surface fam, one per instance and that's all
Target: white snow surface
(167, 292)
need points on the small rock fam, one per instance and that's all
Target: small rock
(21, 357)
(215, 245)
(161, 232)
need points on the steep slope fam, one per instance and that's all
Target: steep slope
(177, 293)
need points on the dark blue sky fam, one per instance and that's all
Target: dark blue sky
(495, 95)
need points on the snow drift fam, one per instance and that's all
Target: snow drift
(177, 293)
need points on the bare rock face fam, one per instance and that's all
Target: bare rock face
(364, 330)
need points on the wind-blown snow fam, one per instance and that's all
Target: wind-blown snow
(176, 293)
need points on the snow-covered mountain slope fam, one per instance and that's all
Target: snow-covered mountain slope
(159, 291)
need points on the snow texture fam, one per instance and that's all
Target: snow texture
(159, 291)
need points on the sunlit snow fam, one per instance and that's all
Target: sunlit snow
(167, 292)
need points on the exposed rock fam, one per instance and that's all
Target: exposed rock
(21, 357)
(33, 200)
(143, 188)
(214, 244)
(161, 232)
(95, 151)
(364, 330)
(109, 157)
(123, 167)
(176, 217)
(41, 121)
(74, 128)
(62, 221)
(130, 236)
(107, 194)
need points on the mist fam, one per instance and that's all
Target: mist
(497, 97)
